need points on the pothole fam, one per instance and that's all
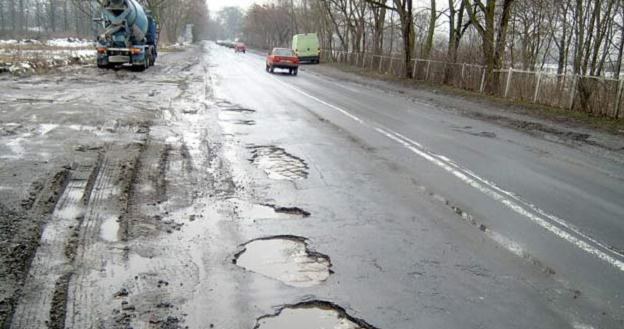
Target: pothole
(311, 315)
(285, 258)
(227, 106)
(294, 211)
(266, 210)
(278, 164)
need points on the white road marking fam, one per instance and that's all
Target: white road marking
(488, 188)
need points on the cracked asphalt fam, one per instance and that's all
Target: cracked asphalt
(208, 193)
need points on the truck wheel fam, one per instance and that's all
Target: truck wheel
(271, 69)
(138, 68)
(295, 71)
(290, 71)
(266, 67)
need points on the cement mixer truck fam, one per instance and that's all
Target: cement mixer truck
(130, 36)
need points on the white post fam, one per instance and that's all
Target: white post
(463, 69)
(427, 73)
(482, 88)
(537, 85)
(414, 70)
(508, 81)
(390, 68)
(380, 62)
(573, 92)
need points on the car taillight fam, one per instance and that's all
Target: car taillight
(101, 50)
(135, 51)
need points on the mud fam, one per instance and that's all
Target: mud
(311, 315)
(285, 258)
(20, 230)
(279, 164)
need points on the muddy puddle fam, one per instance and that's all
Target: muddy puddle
(110, 229)
(311, 315)
(285, 258)
(278, 164)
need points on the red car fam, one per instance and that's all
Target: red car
(282, 58)
(240, 47)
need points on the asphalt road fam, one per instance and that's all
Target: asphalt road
(211, 194)
(556, 206)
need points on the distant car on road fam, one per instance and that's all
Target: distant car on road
(282, 58)
(240, 47)
(306, 47)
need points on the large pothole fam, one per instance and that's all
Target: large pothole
(279, 164)
(285, 258)
(311, 315)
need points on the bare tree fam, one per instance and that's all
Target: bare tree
(493, 33)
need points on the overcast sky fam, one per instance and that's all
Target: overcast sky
(216, 5)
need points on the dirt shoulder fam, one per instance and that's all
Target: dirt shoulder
(574, 128)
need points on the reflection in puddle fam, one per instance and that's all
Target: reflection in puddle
(279, 164)
(313, 315)
(286, 259)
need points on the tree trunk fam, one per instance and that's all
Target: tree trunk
(430, 31)
(493, 48)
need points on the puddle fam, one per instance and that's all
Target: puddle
(110, 229)
(285, 258)
(311, 315)
(279, 164)
(46, 128)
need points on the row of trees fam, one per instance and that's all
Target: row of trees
(583, 37)
(64, 18)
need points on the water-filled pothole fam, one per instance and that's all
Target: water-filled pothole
(279, 164)
(311, 315)
(285, 258)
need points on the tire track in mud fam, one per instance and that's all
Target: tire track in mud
(99, 237)
(20, 233)
(50, 264)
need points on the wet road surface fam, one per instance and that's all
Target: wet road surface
(211, 194)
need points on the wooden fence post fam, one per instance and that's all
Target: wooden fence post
(414, 70)
(380, 62)
(390, 68)
(537, 85)
(427, 72)
(508, 81)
